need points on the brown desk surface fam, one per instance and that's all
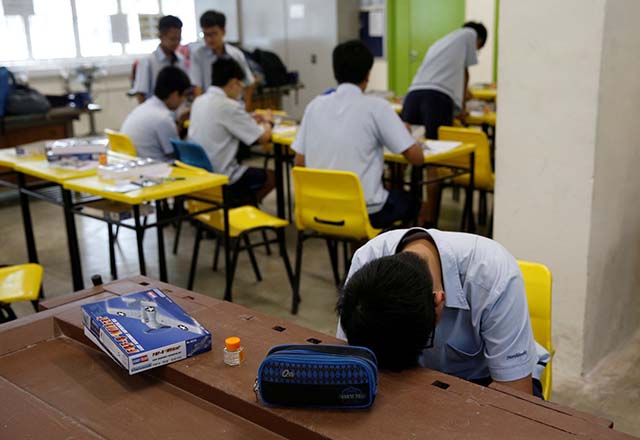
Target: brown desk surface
(48, 365)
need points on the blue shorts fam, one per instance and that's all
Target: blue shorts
(399, 206)
(243, 190)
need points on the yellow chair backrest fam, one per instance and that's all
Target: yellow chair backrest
(331, 203)
(20, 282)
(484, 178)
(537, 284)
(120, 143)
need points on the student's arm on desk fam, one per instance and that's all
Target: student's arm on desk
(298, 160)
(524, 385)
(414, 155)
(265, 137)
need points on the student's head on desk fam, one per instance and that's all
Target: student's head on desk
(352, 63)
(170, 34)
(172, 85)
(227, 74)
(213, 28)
(389, 306)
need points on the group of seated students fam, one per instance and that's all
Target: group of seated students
(444, 300)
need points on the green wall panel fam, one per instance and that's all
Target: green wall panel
(412, 27)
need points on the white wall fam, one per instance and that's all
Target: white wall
(484, 12)
(613, 299)
(378, 79)
(545, 152)
(108, 91)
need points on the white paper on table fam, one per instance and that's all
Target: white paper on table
(437, 147)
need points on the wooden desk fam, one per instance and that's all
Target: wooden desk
(45, 365)
(55, 124)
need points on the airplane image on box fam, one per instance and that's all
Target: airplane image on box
(148, 312)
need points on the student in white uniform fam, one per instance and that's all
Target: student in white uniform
(439, 89)
(348, 130)
(219, 123)
(151, 124)
(170, 34)
(447, 301)
(213, 27)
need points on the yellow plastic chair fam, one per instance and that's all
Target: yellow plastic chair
(243, 221)
(484, 178)
(120, 143)
(537, 284)
(18, 283)
(329, 205)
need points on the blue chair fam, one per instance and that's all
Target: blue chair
(242, 220)
(191, 154)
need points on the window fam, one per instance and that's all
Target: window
(94, 27)
(51, 30)
(34, 30)
(13, 49)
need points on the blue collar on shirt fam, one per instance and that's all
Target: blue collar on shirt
(455, 296)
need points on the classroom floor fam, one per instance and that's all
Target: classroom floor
(612, 390)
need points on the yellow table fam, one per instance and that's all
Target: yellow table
(484, 93)
(38, 166)
(488, 118)
(186, 182)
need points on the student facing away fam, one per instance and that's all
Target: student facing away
(219, 123)
(439, 90)
(348, 130)
(170, 34)
(151, 124)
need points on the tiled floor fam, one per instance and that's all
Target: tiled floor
(612, 390)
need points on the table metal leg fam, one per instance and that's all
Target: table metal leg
(471, 224)
(72, 241)
(159, 229)
(27, 225)
(139, 239)
(277, 157)
(26, 220)
(227, 244)
(417, 175)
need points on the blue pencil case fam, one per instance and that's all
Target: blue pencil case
(319, 376)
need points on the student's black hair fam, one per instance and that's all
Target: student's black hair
(213, 18)
(352, 62)
(224, 70)
(388, 307)
(171, 79)
(481, 31)
(169, 22)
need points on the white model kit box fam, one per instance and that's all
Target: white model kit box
(144, 330)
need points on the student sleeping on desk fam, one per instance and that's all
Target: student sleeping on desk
(448, 301)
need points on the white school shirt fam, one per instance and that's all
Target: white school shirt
(219, 124)
(484, 330)
(151, 126)
(149, 67)
(203, 57)
(347, 131)
(444, 65)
